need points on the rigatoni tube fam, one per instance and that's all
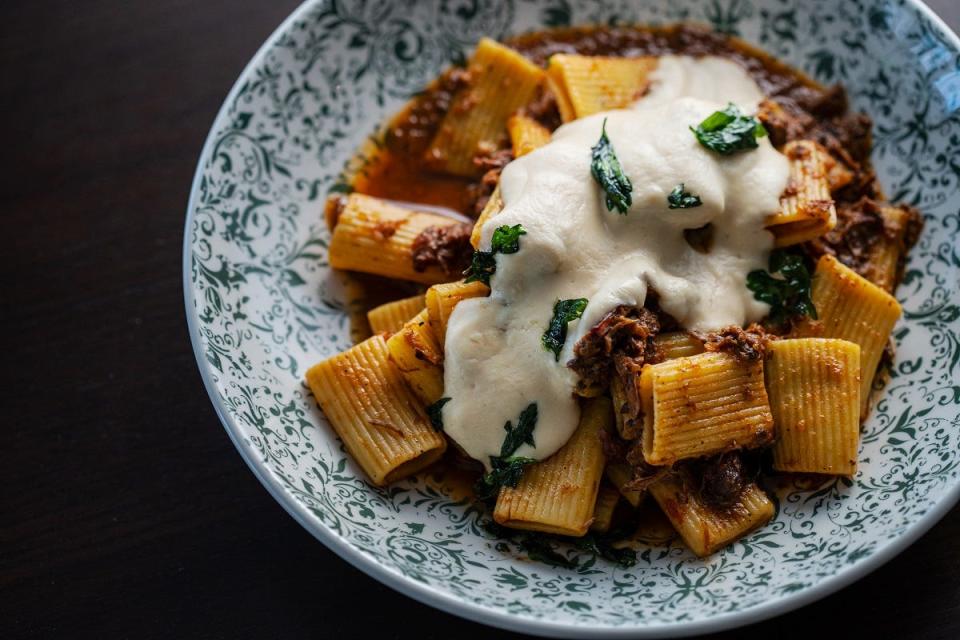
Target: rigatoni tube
(382, 424)
(814, 389)
(850, 307)
(375, 236)
(706, 529)
(390, 317)
(558, 495)
(701, 405)
(419, 358)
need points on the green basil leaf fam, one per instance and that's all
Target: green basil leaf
(435, 413)
(483, 264)
(729, 131)
(606, 170)
(522, 433)
(564, 312)
(681, 199)
(789, 294)
(506, 239)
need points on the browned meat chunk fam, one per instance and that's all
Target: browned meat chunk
(743, 344)
(445, 247)
(492, 161)
(722, 480)
(622, 341)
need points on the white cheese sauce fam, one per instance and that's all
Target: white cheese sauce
(495, 364)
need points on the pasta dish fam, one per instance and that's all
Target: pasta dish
(612, 272)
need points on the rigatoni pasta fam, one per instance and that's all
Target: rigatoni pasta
(382, 424)
(630, 332)
(678, 344)
(526, 134)
(814, 390)
(619, 474)
(443, 298)
(585, 85)
(705, 529)
(501, 81)
(808, 209)
(887, 254)
(607, 500)
(492, 208)
(558, 495)
(375, 236)
(418, 355)
(850, 307)
(628, 425)
(391, 316)
(701, 405)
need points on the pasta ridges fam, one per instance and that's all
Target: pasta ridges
(558, 495)
(814, 389)
(382, 425)
(703, 404)
(854, 309)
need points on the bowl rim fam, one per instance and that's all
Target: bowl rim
(442, 600)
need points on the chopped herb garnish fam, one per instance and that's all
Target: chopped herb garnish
(603, 547)
(435, 413)
(679, 198)
(788, 295)
(606, 170)
(564, 312)
(483, 264)
(507, 239)
(522, 433)
(729, 131)
(506, 473)
(539, 549)
(507, 469)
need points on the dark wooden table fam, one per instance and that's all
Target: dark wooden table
(124, 509)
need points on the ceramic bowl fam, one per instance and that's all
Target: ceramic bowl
(262, 307)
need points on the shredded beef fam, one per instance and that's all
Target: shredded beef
(614, 448)
(544, 109)
(722, 480)
(492, 161)
(862, 229)
(412, 134)
(859, 228)
(644, 474)
(781, 125)
(914, 227)
(822, 116)
(384, 229)
(622, 341)
(744, 344)
(446, 247)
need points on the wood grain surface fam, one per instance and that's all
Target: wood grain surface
(125, 511)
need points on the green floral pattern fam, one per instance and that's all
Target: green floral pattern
(263, 305)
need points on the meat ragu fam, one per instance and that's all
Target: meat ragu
(491, 161)
(446, 247)
(610, 359)
(721, 480)
(797, 109)
(743, 344)
(620, 343)
(864, 231)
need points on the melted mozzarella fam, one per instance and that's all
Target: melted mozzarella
(495, 364)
